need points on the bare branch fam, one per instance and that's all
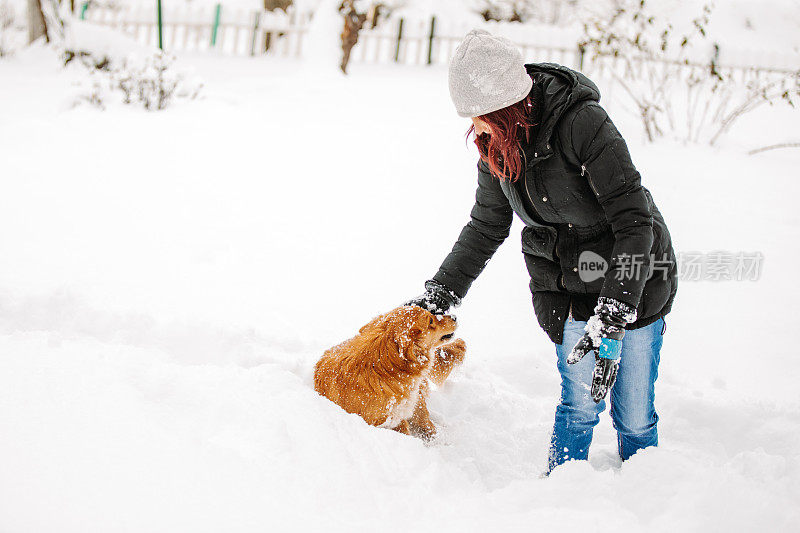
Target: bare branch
(774, 147)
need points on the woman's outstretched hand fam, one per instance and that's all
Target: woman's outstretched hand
(437, 298)
(604, 333)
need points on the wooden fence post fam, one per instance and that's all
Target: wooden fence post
(255, 33)
(399, 40)
(215, 26)
(430, 39)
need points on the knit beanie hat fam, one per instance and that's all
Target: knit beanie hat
(486, 74)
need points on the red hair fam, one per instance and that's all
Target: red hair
(509, 126)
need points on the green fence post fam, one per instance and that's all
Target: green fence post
(160, 27)
(255, 33)
(430, 39)
(84, 7)
(399, 39)
(216, 25)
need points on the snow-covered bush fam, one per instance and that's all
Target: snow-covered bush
(647, 59)
(673, 92)
(546, 11)
(730, 101)
(116, 69)
(98, 46)
(95, 90)
(6, 22)
(153, 82)
(11, 28)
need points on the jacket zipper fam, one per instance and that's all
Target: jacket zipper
(525, 168)
(585, 171)
(528, 192)
(524, 177)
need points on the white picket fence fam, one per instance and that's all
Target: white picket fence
(240, 32)
(395, 40)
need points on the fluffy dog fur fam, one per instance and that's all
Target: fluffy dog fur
(382, 373)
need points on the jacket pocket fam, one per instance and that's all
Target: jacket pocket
(593, 255)
(539, 241)
(605, 173)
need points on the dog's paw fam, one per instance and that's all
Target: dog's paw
(453, 351)
(425, 431)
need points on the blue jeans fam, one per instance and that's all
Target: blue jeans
(632, 397)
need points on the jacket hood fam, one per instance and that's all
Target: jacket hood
(559, 88)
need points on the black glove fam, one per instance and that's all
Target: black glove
(437, 298)
(604, 333)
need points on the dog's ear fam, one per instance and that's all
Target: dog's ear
(371, 324)
(432, 322)
(404, 341)
(406, 326)
(424, 321)
(415, 331)
(408, 334)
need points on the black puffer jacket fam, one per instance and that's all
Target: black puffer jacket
(581, 195)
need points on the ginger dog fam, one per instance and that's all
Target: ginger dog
(382, 373)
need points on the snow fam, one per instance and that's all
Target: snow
(322, 46)
(594, 327)
(170, 278)
(99, 41)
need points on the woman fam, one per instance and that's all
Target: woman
(602, 268)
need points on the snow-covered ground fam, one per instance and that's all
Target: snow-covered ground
(169, 279)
